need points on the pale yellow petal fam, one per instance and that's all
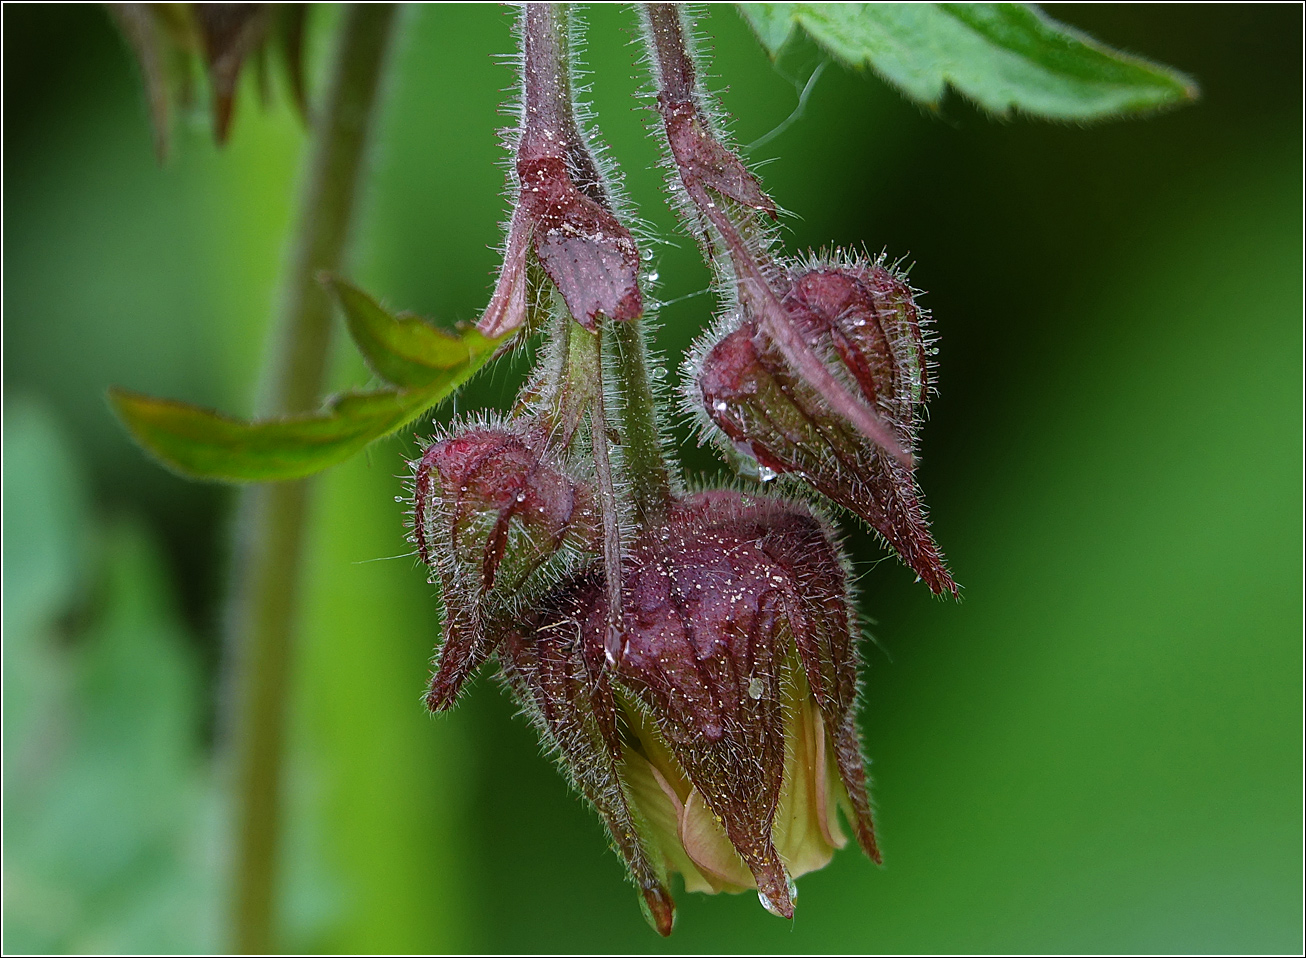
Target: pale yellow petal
(657, 803)
(706, 843)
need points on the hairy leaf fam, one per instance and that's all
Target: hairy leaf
(404, 349)
(202, 444)
(1004, 56)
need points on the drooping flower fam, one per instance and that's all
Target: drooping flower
(739, 633)
(722, 741)
(692, 665)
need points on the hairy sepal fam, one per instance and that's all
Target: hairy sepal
(862, 321)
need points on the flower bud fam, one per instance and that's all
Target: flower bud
(862, 320)
(563, 217)
(584, 249)
(497, 521)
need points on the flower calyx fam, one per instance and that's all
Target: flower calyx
(862, 318)
(498, 521)
(562, 218)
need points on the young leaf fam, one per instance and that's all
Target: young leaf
(404, 349)
(1004, 56)
(202, 444)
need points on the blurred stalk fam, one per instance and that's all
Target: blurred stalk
(269, 547)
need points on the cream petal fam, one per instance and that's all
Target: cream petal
(705, 841)
(801, 835)
(826, 814)
(661, 809)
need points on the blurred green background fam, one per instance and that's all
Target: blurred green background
(1098, 750)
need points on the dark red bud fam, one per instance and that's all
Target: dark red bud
(564, 214)
(491, 514)
(862, 319)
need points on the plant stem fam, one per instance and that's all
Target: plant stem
(589, 350)
(643, 458)
(671, 60)
(549, 106)
(269, 547)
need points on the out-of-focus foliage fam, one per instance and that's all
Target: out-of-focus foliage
(1098, 750)
(170, 40)
(108, 803)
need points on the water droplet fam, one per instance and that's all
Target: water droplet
(719, 405)
(646, 255)
(653, 276)
(766, 473)
(755, 688)
(768, 904)
(521, 497)
(659, 373)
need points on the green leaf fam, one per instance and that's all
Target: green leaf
(202, 444)
(1006, 57)
(404, 349)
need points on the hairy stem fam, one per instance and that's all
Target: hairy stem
(550, 113)
(643, 458)
(269, 547)
(671, 58)
(547, 97)
(589, 348)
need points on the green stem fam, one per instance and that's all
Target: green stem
(266, 576)
(589, 348)
(643, 458)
